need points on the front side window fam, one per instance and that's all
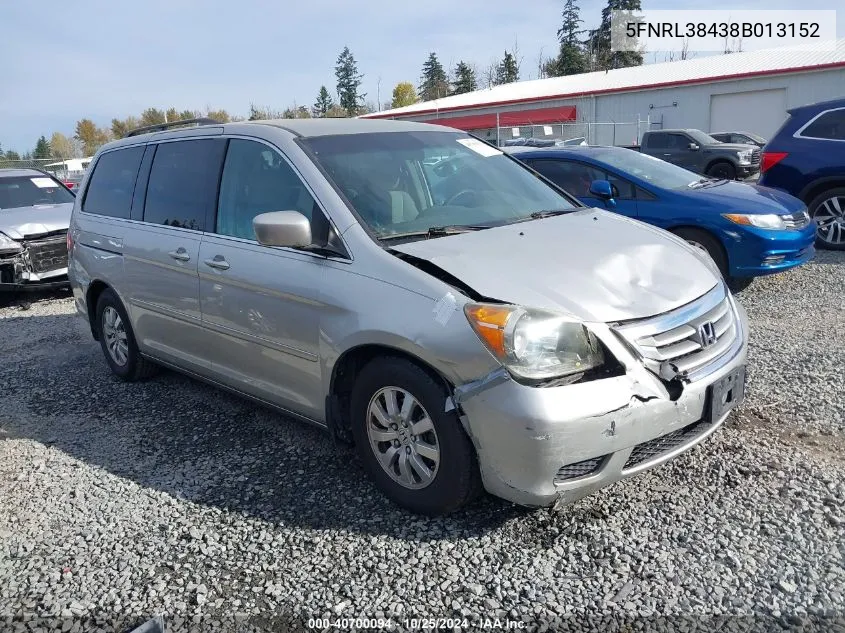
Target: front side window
(829, 126)
(570, 176)
(113, 183)
(30, 191)
(652, 170)
(181, 184)
(256, 179)
(410, 182)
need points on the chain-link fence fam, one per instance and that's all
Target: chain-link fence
(589, 132)
(69, 171)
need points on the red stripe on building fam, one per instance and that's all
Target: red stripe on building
(511, 118)
(587, 93)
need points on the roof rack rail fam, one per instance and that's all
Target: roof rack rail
(166, 126)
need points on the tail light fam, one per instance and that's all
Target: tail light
(770, 159)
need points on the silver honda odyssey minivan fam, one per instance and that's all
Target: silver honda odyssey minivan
(463, 322)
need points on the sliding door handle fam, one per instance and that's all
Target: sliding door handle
(181, 254)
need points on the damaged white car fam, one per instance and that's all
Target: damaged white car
(34, 217)
(414, 291)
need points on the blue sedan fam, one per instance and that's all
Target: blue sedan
(747, 229)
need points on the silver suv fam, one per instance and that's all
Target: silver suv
(414, 291)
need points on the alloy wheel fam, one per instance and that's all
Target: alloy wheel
(114, 332)
(403, 438)
(830, 220)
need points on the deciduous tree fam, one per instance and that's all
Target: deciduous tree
(404, 95)
(61, 146)
(90, 136)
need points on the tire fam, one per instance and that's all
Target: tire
(454, 477)
(705, 240)
(722, 169)
(824, 205)
(738, 284)
(111, 315)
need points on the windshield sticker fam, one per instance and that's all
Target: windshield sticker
(478, 147)
(44, 183)
(444, 307)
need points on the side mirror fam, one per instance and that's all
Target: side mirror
(282, 228)
(601, 189)
(693, 146)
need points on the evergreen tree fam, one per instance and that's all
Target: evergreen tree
(598, 43)
(508, 70)
(323, 104)
(348, 82)
(12, 155)
(42, 148)
(434, 83)
(572, 58)
(465, 80)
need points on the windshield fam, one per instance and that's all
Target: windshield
(28, 191)
(410, 182)
(653, 170)
(701, 138)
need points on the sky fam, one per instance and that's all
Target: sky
(102, 59)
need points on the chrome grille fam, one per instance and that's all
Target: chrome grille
(49, 254)
(659, 446)
(755, 157)
(685, 340)
(579, 469)
(797, 220)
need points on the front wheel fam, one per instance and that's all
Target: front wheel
(416, 453)
(828, 211)
(708, 243)
(723, 170)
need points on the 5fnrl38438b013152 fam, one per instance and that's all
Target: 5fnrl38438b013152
(465, 323)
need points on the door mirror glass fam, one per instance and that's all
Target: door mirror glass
(601, 189)
(693, 146)
(282, 228)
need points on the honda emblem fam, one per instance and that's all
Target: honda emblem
(707, 334)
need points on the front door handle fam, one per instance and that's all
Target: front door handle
(181, 254)
(219, 262)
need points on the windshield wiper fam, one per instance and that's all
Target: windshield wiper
(707, 182)
(539, 215)
(436, 231)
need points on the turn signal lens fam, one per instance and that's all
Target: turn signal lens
(489, 322)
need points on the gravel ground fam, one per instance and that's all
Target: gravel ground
(122, 501)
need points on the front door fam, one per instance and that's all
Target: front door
(259, 303)
(576, 177)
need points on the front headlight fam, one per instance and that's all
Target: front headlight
(744, 156)
(760, 220)
(7, 244)
(535, 344)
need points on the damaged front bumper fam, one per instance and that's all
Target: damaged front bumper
(541, 446)
(40, 264)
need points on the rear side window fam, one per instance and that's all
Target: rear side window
(113, 183)
(829, 126)
(657, 141)
(182, 183)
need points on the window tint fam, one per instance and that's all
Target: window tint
(658, 141)
(113, 183)
(830, 125)
(256, 179)
(574, 178)
(182, 183)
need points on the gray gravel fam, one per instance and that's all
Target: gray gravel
(121, 501)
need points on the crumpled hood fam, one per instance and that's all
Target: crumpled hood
(591, 264)
(22, 222)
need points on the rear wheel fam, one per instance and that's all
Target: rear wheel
(722, 169)
(828, 211)
(118, 340)
(416, 453)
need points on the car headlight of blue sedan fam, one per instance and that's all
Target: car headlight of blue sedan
(765, 220)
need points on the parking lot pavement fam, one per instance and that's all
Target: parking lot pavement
(120, 501)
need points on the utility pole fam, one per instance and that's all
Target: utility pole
(378, 93)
